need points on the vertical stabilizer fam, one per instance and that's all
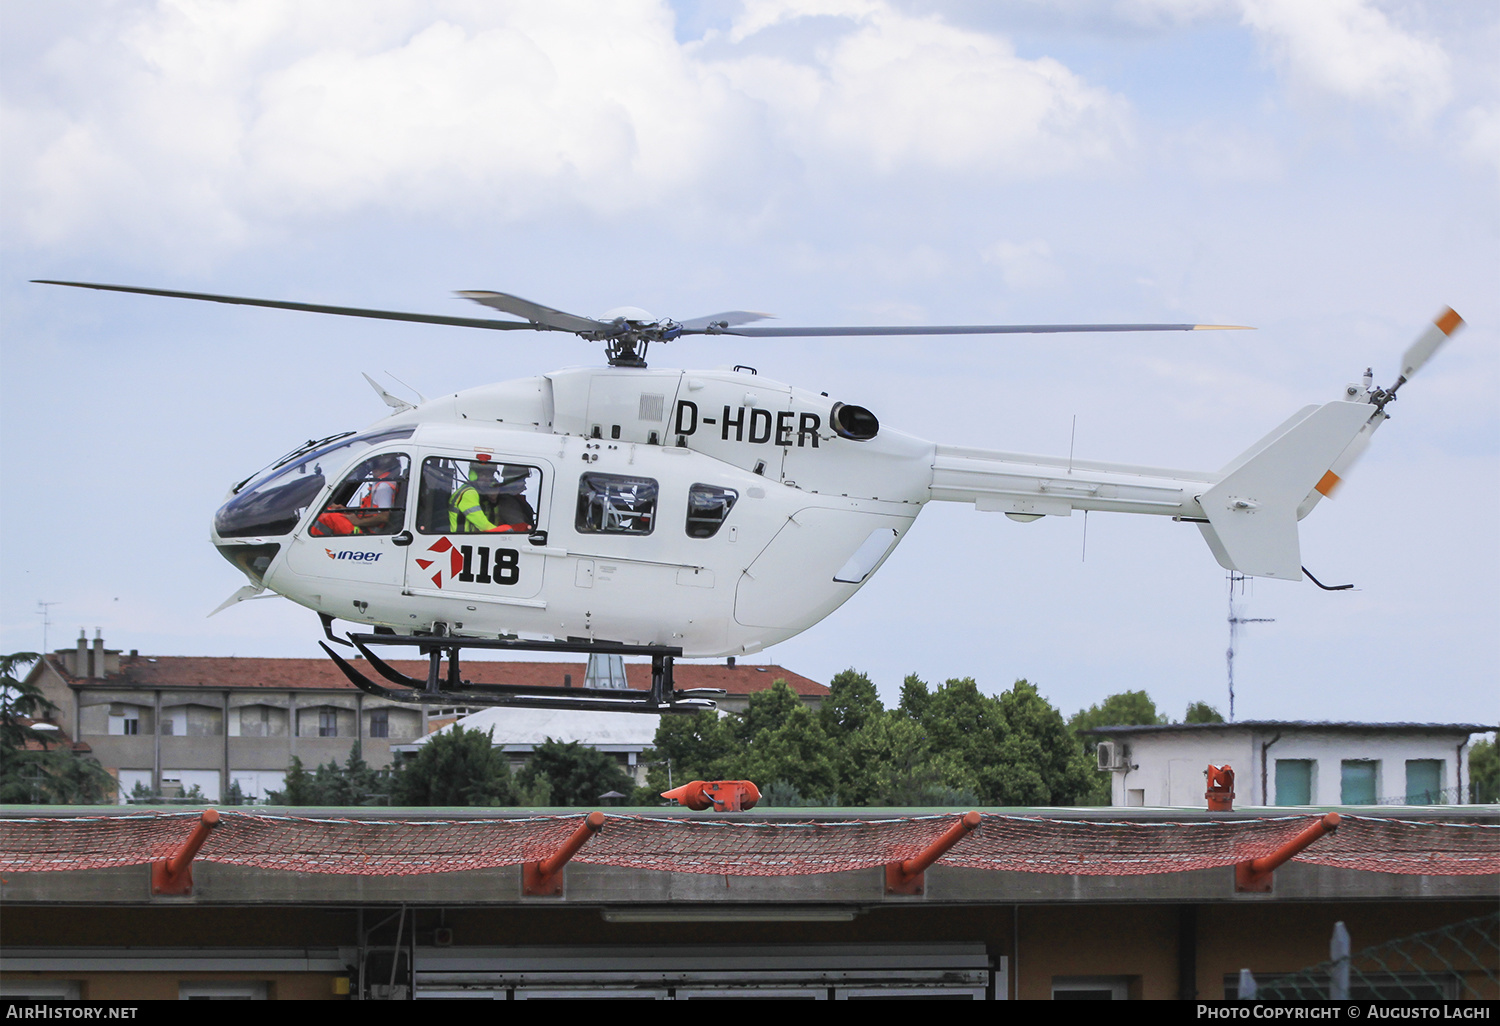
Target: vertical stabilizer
(1252, 512)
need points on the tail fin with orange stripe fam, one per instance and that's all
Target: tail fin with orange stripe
(1253, 509)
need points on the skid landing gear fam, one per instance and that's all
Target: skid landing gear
(451, 689)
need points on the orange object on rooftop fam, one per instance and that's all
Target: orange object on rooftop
(174, 874)
(1254, 876)
(720, 795)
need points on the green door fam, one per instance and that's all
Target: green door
(1294, 782)
(1358, 782)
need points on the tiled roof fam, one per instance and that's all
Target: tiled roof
(322, 674)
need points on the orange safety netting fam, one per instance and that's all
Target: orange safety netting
(398, 847)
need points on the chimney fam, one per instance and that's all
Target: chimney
(80, 665)
(96, 665)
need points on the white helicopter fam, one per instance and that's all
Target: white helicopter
(633, 510)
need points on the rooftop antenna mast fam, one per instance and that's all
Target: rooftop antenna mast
(43, 610)
(1235, 577)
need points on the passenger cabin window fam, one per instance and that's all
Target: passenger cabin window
(615, 504)
(708, 508)
(370, 500)
(461, 496)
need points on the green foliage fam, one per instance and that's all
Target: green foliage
(456, 767)
(915, 697)
(1013, 749)
(1484, 773)
(34, 768)
(796, 750)
(768, 710)
(353, 783)
(889, 762)
(852, 702)
(1124, 709)
(694, 747)
(949, 746)
(1202, 712)
(574, 774)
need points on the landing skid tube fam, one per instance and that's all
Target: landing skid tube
(451, 689)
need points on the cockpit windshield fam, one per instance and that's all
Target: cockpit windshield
(275, 503)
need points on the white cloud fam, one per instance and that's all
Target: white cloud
(1351, 49)
(213, 121)
(901, 91)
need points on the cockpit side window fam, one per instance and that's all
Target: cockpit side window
(708, 507)
(274, 502)
(462, 496)
(615, 504)
(370, 500)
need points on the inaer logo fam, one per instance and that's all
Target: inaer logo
(461, 563)
(360, 557)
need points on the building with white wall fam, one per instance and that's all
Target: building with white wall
(1288, 763)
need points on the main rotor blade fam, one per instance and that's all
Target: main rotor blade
(973, 329)
(277, 304)
(559, 320)
(728, 317)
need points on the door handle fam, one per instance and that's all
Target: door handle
(538, 538)
(404, 538)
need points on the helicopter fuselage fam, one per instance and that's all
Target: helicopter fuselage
(713, 511)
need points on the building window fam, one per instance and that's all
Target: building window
(126, 721)
(1424, 782)
(1358, 782)
(380, 723)
(1294, 781)
(328, 722)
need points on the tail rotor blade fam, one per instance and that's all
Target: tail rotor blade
(1442, 329)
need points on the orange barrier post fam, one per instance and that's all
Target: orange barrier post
(723, 795)
(544, 879)
(1255, 876)
(906, 876)
(174, 875)
(1220, 793)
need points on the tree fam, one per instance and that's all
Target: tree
(354, 783)
(456, 767)
(1202, 712)
(1013, 749)
(34, 768)
(692, 748)
(852, 701)
(796, 752)
(914, 697)
(768, 710)
(1124, 709)
(575, 774)
(1484, 773)
(1041, 761)
(888, 761)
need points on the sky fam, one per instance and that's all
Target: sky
(1328, 173)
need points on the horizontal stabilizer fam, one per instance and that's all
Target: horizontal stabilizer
(1252, 512)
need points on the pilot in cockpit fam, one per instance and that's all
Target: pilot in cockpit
(493, 501)
(373, 492)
